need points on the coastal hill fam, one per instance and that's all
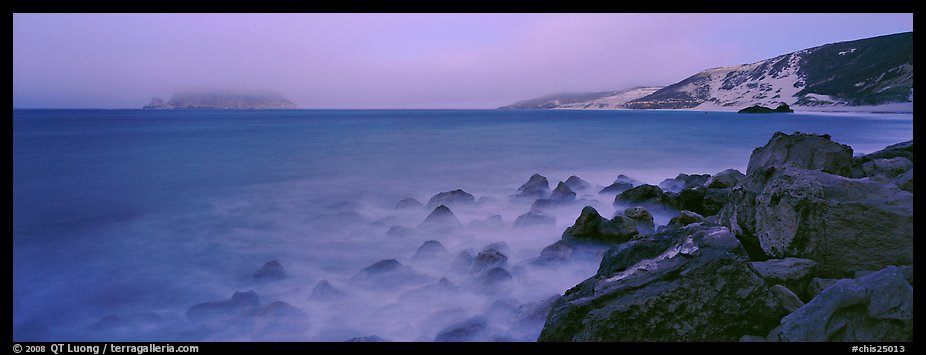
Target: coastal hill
(588, 100)
(221, 100)
(866, 72)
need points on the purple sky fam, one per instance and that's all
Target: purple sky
(396, 60)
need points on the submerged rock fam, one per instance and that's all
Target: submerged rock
(496, 280)
(456, 197)
(493, 222)
(621, 184)
(534, 218)
(577, 184)
(487, 259)
(877, 307)
(442, 290)
(790, 206)
(407, 203)
(536, 187)
(683, 284)
(387, 273)
(271, 271)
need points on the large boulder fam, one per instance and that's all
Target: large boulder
(801, 151)
(536, 187)
(683, 284)
(647, 195)
(486, 259)
(431, 250)
(887, 168)
(790, 206)
(591, 226)
(902, 150)
(875, 308)
(456, 197)
(324, 292)
(621, 184)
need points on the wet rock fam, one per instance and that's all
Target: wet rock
(367, 339)
(487, 259)
(237, 304)
(724, 179)
(559, 251)
(877, 307)
(683, 181)
(324, 291)
(387, 273)
(643, 194)
(577, 184)
(801, 151)
(536, 187)
(431, 250)
(592, 226)
(407, 203)
(271, 271)
(787, 299)
(794, 273)
(642, 219)
(495, 281)
(534, 218)
(473, 329)
(790, 206)
(683, 284)
(562, 194)
(441, 216)
(454, 198)
(685, 218)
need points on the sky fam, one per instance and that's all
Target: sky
(391, 61)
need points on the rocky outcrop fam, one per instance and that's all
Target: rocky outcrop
(456, 197)
(536, 187)
(683, 284)
(724, 179)
(877, 307)
(783, 108)
(271, 271)
(790, 204)
(591, 226)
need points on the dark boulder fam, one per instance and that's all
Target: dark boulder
(271, 271)
(685, 218)
(875, 308)
(534, 218)
(642, 219)
(456, 197)
(577, 184)
(783, 108)
(592, 226)
(647, 195)
(562, 193)
(801, 151)
(441, 216)
(324, 292)
(536, 187)
(487, 259)
(724, 179)
(887, 168)
(407, 203)
(542, 204)
(431, 250)
(786, 298)
(902, 150)
(683, 284)
(387, 273)
(616, 188)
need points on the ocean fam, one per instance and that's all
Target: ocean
(124, 219)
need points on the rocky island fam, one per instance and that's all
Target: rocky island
(222, 100)
(783, 108)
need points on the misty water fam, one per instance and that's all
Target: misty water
(124, 219)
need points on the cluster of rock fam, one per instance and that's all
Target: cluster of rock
(810, 244)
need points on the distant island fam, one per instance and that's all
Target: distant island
(783, 108)
(222, 100)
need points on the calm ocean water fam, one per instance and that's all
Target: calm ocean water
(140, 214)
